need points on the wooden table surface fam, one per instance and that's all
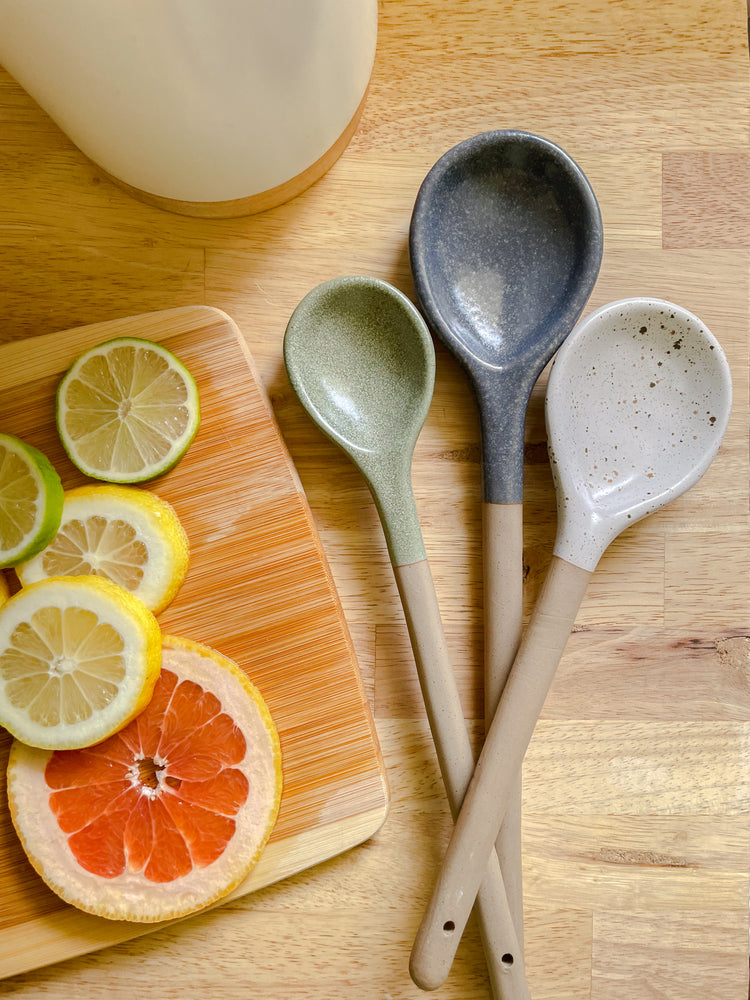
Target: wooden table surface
(637, 782)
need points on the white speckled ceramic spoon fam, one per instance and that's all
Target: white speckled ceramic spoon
(637, 403)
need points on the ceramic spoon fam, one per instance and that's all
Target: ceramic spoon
(637, 404)
(505, 246)
(361, 360)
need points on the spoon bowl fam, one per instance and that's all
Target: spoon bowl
(636, 407)
(363, 365)
(505, 245)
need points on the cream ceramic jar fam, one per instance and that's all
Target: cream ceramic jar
(206, 107)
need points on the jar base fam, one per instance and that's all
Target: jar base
(254, 203)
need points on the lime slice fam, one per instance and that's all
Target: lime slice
(79, 657)
(31, 500)
(123, 533)
(127, 410)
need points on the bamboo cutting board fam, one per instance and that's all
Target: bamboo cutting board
(258, 589)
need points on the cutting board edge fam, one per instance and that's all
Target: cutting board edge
(315, 535)
(44, 362)
(85, 934)
(322, 556)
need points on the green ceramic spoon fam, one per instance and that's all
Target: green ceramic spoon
(362, 363)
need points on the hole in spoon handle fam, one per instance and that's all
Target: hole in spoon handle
(487, 798)
(454, 753)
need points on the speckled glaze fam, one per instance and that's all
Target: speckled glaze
(361, 360)
(505, 245)
(637, 404)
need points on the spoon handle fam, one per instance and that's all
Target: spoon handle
(502, 526)
(453, 747)
(487, 798)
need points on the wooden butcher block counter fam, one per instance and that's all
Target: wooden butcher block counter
(636, 800)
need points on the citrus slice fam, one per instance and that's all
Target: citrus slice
(171, 813)
(128, 535)
(31, 500)
(127, 410)
(79, 657)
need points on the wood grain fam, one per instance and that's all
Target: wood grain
(619, 905)
(706, 199)
(258, 589)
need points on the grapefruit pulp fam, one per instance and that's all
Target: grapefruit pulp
(166, 816)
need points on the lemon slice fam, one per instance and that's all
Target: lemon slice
(127, 410)
(79, 657)
(125, 534)
(31, 500)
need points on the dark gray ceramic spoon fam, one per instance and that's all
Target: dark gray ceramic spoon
(505, 246)
(362, 363)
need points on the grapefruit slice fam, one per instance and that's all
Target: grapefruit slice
(170, 814)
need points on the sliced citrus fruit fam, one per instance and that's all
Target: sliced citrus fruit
(126, 534)
(171, 813)
(79, 657)
(4, 588)
(127, 410)
(31, 500)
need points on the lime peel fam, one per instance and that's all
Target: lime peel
(31, 500)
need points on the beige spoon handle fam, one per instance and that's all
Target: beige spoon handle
(487, 798)
(502, 526)
(453, 747)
